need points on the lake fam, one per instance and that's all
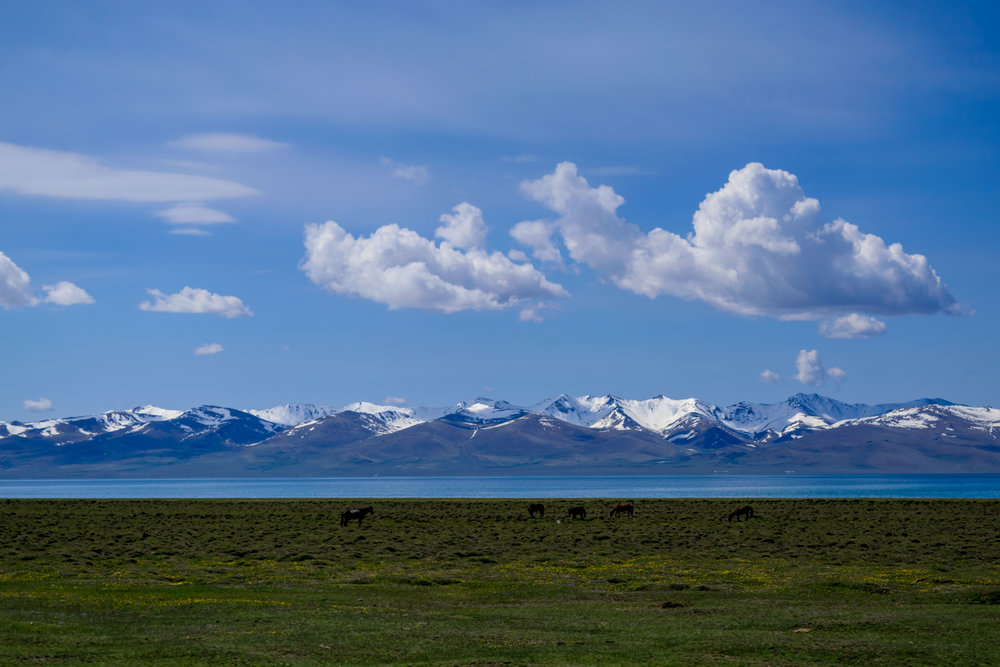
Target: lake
(610, 486)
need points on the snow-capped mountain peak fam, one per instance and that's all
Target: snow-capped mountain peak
(657, 414)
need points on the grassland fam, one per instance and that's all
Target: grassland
(478, 582)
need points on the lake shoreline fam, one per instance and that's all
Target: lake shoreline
(965, 485)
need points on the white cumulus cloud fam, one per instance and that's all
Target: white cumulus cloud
(208, 348)
(195, 300)
(769, 376)
(194, 214)
(15, 288)
(537, 235)
(15, 285)
(39, 405)
(464, 228)
(65, 293)
(810, 369)
(759, 246)
(226, 142)
(398, 267)
(49, 173)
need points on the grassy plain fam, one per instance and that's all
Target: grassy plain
(479, 583)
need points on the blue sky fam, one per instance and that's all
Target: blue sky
(418, 203)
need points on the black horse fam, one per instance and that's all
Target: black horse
(579, 512)
(538, 508)
(622, 508)
(356, 515)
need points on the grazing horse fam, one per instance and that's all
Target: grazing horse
(356, 515)
(621, 508)
(536, 507)
(742, 510)
(577, 512)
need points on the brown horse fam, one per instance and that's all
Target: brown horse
(742, 510)
(577, 512)
(621, 508)
(536, 507)
(356, 515)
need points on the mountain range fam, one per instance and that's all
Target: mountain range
(806, 433)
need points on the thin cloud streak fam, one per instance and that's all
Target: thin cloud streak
(48, 173)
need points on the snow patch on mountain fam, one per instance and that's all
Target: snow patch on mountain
(70, 429)
(154, 413)
(210, 416)
(801, 421)
(385, 418)
(980, 419)
(293, 414)
(487, 410)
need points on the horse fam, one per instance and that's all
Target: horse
(577, 512)
(742, 510)
(536, 507)
(356, 515)
(618, 509)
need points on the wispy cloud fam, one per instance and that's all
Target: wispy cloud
(520, 158)
(194, 214)
(226, 142)
(854, 325)
(418, 174)
(208, 348)
(194, 300)
(619, 170)
(48, 173)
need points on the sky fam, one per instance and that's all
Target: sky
(418, 203)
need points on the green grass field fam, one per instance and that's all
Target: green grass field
(479, 583)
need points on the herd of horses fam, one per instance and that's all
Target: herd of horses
(537, 511)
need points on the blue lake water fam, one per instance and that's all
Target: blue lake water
(688, 486)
